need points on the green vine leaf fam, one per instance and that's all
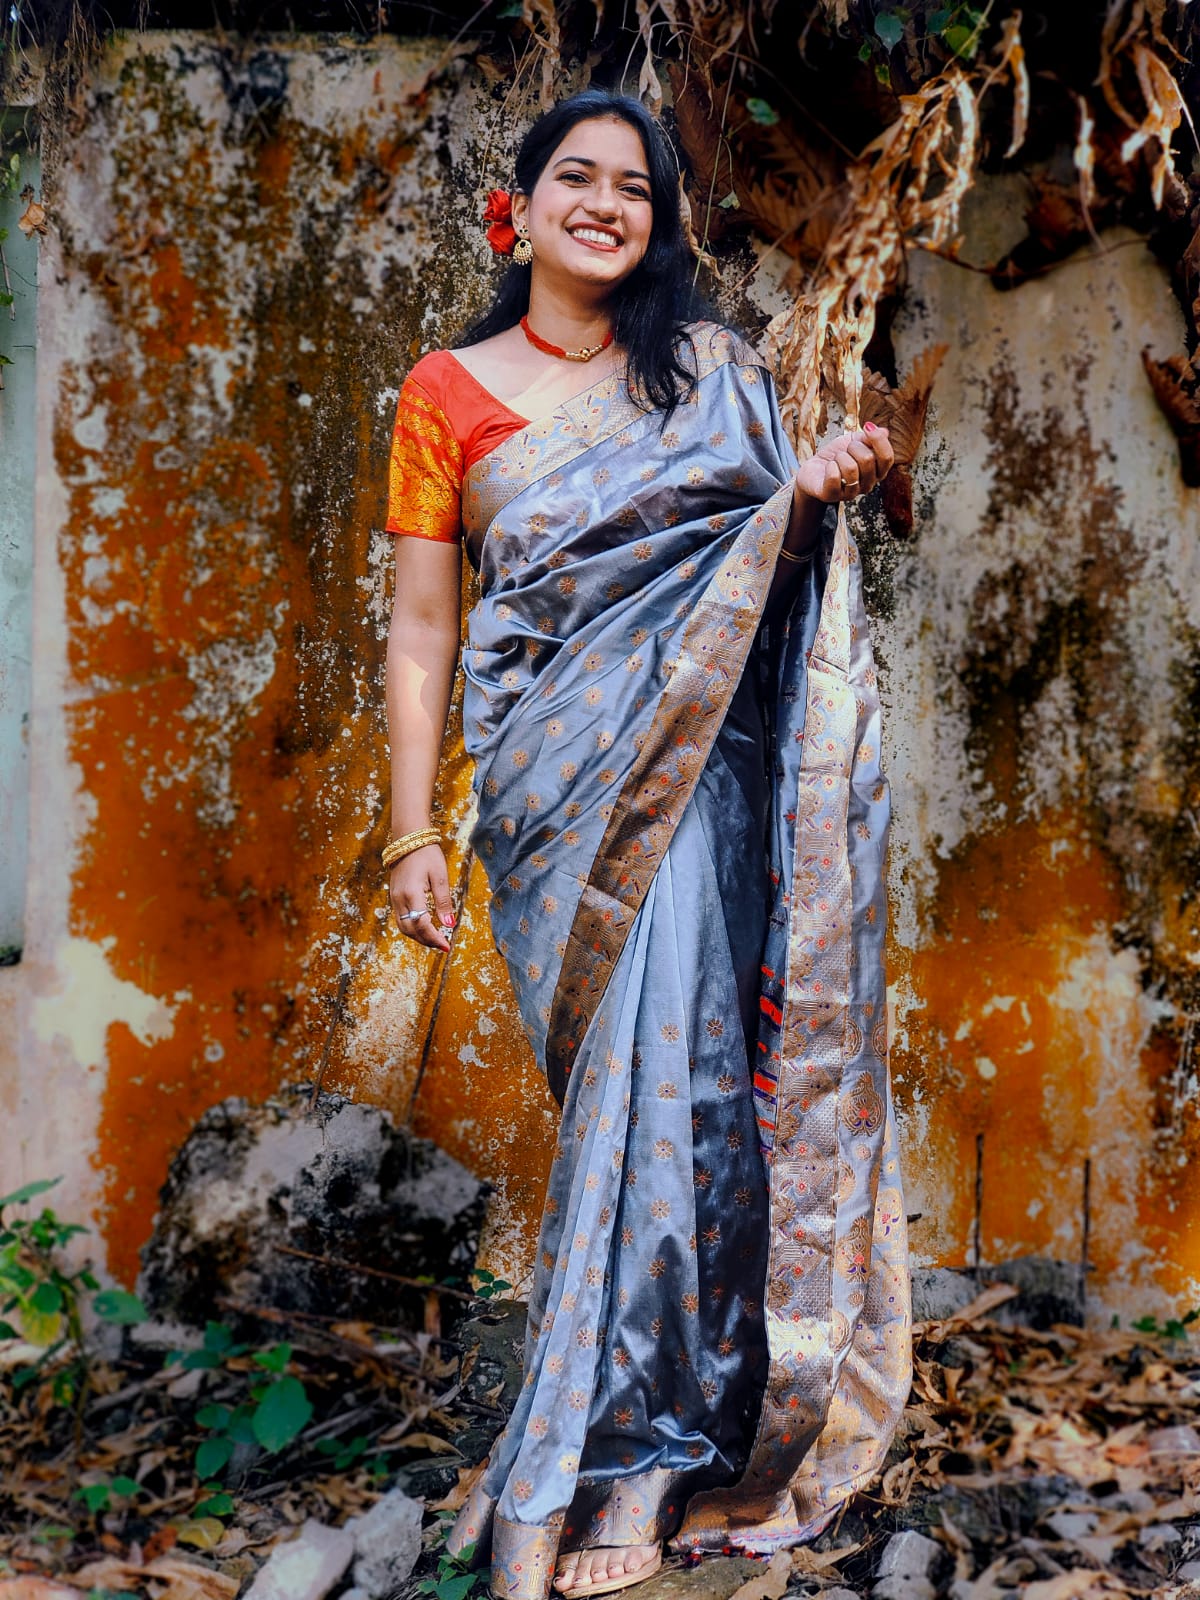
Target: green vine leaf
(761, 112)
(284, 1411)
(963, 41)
(120, 1307)
(212, 1455)
(38, 1186)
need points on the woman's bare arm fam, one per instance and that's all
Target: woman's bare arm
(422, 651)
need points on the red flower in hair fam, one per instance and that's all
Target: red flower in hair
(502, 236)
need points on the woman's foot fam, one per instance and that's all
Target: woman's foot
(583, 1572)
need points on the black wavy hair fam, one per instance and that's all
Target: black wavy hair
(658, 298)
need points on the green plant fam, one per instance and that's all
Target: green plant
(454, 1578)
(957, 28)
(345, 1452)
(488, 1286)
(275, 1411)
(52, 1531)
(44, 1300)
(1175, 1328)
(98, 1496)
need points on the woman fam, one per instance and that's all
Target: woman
(671, 706)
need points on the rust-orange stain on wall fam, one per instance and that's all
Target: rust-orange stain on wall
(223, 456)
(222, 440)
(1030, 1029)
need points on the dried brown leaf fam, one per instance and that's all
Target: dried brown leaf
(698, 128)
(649, 88)
(995, 1295)
(468, 1477)
(427, 1441)
(183, 1580)
(812, 1563)
(33, 219)
(689, 229)
(541, 18)
(770, 1584)
(902, 410)
(1085, 154)
(1072, 1586)
(1176, 386)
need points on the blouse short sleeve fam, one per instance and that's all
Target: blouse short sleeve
(425, 470)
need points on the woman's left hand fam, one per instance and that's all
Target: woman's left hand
(845, 467)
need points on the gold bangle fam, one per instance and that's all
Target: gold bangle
(786, 555)
(396, 849)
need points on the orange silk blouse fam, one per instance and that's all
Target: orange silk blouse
(445, 422)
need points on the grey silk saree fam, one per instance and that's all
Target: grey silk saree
(683, 822)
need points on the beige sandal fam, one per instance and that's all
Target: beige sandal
(611, 1585)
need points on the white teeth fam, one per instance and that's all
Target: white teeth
(595, 235)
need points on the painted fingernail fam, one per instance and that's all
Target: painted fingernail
(870, 427)
(447, 921)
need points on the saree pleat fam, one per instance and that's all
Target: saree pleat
(683, 822)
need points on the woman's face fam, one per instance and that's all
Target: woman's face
(589, 216)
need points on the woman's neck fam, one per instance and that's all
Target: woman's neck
(565, 320)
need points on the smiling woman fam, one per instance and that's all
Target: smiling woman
(671, 707)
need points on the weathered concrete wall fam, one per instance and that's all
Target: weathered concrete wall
(18, 377)
(1041, 639)
(246, 255)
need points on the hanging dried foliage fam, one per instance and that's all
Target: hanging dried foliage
(1176, 386)
(541, 18)
(907, 187)
(902, 411)
(787, 190)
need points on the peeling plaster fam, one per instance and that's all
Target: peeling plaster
(88, 998)
(209, 754)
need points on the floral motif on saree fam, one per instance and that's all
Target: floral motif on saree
(683, 822)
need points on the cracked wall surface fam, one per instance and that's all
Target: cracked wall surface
(249, 249)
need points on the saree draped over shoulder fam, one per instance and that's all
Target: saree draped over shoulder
(683, 822)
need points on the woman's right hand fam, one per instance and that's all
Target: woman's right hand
(415, 881)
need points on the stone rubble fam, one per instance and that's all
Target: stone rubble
(908, 1568)
(340, 1181)
(387, 1542)
(306, 1567)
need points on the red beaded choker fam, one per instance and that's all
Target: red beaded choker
(549, 349)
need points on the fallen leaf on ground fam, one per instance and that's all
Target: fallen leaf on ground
(1073, 1586)
(185, 1580)
(426, 1441)
(457, 1497)
(810, 1562)
(770, 1584)
(994, 1295)
(204, 1533)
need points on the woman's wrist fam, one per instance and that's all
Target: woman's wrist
(804, 525)
(405, 825)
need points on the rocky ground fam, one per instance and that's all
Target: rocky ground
(1050, 1463)
(298, 1435)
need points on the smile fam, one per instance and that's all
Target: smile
(598, 238)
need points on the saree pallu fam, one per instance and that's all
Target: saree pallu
(683, 822)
